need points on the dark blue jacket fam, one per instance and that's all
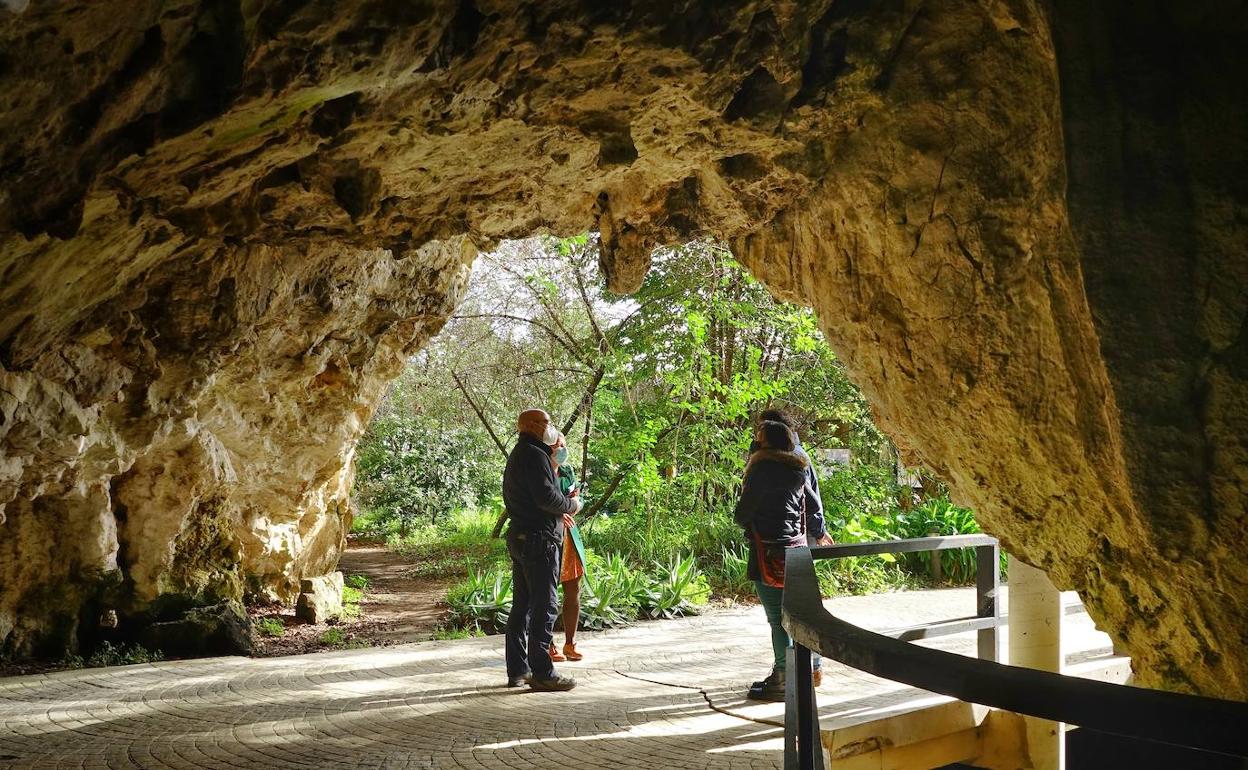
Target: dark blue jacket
(814, 508)
(531, 491)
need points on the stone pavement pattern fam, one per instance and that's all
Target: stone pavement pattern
(658, 695)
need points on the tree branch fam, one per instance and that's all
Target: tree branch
(480, 415)
(549, 331)
(619, 477)
(585, 399)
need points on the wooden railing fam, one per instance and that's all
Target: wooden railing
(1191, 721)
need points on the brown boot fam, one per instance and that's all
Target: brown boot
(569, 652)
(554, 654)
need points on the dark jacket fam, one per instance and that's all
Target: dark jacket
(531, 491)
(773, 495)
(815, 526)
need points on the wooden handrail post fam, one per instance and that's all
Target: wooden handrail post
(987, 588)
(803, 747)
(1036, 642)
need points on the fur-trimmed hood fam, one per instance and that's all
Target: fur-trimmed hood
(778, 456)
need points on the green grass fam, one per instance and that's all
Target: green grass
(454, 548)
(444, 633)
(271, 627)
(335, 637)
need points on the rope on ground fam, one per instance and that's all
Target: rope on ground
(706, 697)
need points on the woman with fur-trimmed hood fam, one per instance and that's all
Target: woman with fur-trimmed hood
(776, 497)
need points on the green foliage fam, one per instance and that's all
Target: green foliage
(122, 655)
(412, 471)
(351, 598)
(609, 594)
(613, 593)
(674, 589)
(482, 601)
(335, 637)
(357, 581)
(444, 633)
(455, 546)
(941, 517)
(728, 574)
(340, 639)
(674, 375)
(271, 627)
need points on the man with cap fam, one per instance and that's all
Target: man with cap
(537, 511)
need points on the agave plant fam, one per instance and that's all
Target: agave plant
(677, 588)
(607, 596)
(482, 601)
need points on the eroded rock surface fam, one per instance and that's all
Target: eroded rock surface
(223, 225)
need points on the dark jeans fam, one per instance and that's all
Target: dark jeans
(534, 580)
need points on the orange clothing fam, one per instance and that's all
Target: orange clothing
(571, 569)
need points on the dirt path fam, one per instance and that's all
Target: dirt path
(397, 608)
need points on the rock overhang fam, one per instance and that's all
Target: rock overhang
(225, 225)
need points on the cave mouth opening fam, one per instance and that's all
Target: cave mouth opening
(658, 393)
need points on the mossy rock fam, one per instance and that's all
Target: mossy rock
(218, 629)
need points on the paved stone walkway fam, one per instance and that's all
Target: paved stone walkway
(657, 695)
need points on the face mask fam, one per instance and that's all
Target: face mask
(551, 435)
(561, 455)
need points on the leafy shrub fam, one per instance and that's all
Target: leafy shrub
(357, 581)
(939, 516)
(728, 574)
(861, 495)
(411, 470)
(271, 627)
(860, 574)
(334, 637)
(123, 655)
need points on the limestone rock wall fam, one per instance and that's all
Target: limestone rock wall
(223, 224)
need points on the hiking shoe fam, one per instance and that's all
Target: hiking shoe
(519, 681)
(816, 679)
(771, 689)
(761, 683)
(570, 652)
(556, 683)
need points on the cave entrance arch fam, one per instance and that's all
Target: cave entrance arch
(225, 226)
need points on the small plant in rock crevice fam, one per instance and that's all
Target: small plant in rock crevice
(272, 627)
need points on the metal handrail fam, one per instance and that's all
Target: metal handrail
(1191, 721)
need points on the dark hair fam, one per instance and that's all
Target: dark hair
(776, 415)
(778, 435)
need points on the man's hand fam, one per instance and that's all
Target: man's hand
(568, 521)
(576, 492)
(826, 539)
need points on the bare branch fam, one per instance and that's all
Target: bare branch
(480, 415)
(585, 399)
